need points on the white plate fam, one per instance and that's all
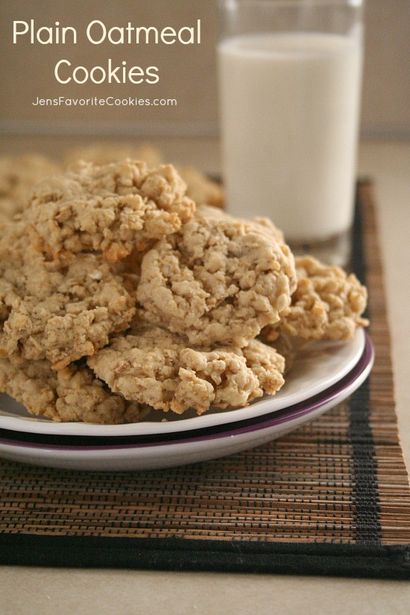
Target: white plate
(324, 364)
(201, 447)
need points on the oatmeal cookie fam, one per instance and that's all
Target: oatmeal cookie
(288, 347)
(61, 313)
(71, 394)
(218, 281)
(327, 304)
(113, 209)
(201, 189)
(18, 176)
(156, 367)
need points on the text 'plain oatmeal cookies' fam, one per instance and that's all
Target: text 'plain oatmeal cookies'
(219, 280)
(71, 394)
(114, 209)
(327, 304)
(156, 367)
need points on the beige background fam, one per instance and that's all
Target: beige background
(188, 73)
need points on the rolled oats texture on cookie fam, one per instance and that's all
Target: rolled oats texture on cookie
(327, 304)
(200, 188)
(219, 280)
(57, 312)
(114, 209)
(71, 394)
(156, 367)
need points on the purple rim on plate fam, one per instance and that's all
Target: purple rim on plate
(188, 422)
(221, 431)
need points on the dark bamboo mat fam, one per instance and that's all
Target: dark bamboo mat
(330, 498)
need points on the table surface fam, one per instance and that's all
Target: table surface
(26, 590)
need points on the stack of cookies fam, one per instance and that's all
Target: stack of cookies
(119, 294)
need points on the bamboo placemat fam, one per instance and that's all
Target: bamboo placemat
(330, 498)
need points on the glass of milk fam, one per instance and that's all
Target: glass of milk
(289, 80)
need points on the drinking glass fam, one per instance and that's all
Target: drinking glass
(289, 83)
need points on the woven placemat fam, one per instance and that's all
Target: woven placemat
(330, 498)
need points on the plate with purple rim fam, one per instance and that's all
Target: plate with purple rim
(168, 450)
(320, 366)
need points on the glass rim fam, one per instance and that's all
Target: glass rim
(308, 3)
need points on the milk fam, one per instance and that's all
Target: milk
(290, 106)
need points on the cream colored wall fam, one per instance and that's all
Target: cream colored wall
(386, 86)
(187, 73)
